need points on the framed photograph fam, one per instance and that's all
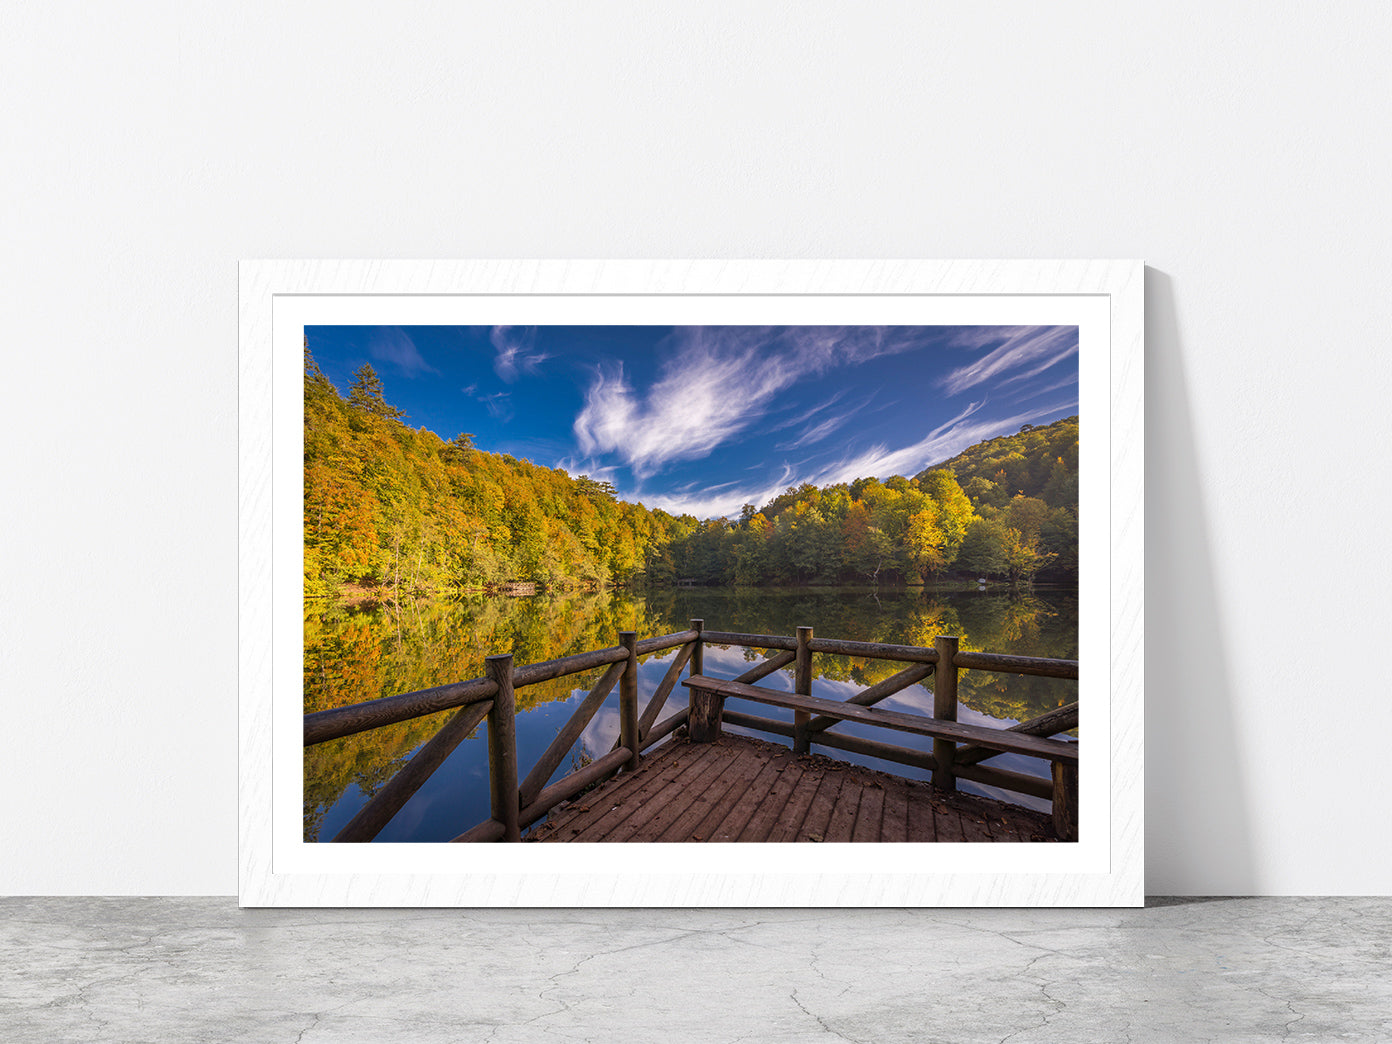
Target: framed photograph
(697, 583)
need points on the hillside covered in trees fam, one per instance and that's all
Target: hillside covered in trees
(1024, 488)
(1006, 508)
(397, 510)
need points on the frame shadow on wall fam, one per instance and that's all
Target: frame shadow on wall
(1196, 783)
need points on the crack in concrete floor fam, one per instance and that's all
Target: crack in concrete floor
(1239, 970)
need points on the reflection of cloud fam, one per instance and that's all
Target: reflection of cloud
(718, 381)
(1022, 345)
(601, 732)
(393, 345)
(729, 663)
(916, 699)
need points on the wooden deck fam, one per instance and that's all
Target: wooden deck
(743, 789)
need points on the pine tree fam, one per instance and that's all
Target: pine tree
(366, 394)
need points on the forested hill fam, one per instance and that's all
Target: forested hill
(397, 510)
(1040, 462)
(391, 510)
(1006, 508)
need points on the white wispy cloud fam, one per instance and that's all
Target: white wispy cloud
(881, 461)
(575, 466)
(516, 352)
(802, 414)
(498, 405)
(1042, 346)
(393, 345)
(717, 382)
(814, 433)
(1038, 368)
(940, 444)
(1033, 393)
(713, 503)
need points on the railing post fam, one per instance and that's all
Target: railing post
(697, 702)
(703, 723)
(945, 709)
(802, 685)
(1065, 800)
(697, 660)
(628, 699)
(502, 748)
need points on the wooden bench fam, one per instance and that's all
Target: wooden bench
(994, 739)
(708, 697)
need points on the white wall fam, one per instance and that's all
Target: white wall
(1243, 153)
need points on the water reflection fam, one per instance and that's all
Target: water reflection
(353, 655)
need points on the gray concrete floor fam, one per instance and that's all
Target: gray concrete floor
(1232, 970)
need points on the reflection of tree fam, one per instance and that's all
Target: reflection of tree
(1026, 625)
(356, 655)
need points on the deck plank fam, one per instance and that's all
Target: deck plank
(896, 812)
(557, 819)
(1000, 828)
(974, 828)
(870, 817)
(627, 796)
(656, 815)
(819, 814)
(790, 823)
(787, 804)
(748, 790)
(922, 825)
(706, 807)
(581, 812)
(725, 823)
(843, 816)
(947, 822)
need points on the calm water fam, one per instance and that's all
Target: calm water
(353, 655)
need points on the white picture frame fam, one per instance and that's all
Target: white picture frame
(277, 299)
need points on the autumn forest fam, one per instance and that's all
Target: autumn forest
(392, 511)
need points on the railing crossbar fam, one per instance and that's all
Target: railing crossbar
(570, 732)
(408, 779)
(1050, 723)
(880, 691)
(756, 641)
(664, 689)
(528, 802)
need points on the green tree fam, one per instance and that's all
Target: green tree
(1028, 515)
(984, 550)
(366, 394)
(924, 543)
(955, 511)
(1023, 558)
(457, 450)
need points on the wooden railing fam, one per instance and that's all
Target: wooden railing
(958, 750)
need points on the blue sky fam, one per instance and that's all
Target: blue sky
(704, 419)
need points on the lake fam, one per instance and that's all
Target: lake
(356, 654)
